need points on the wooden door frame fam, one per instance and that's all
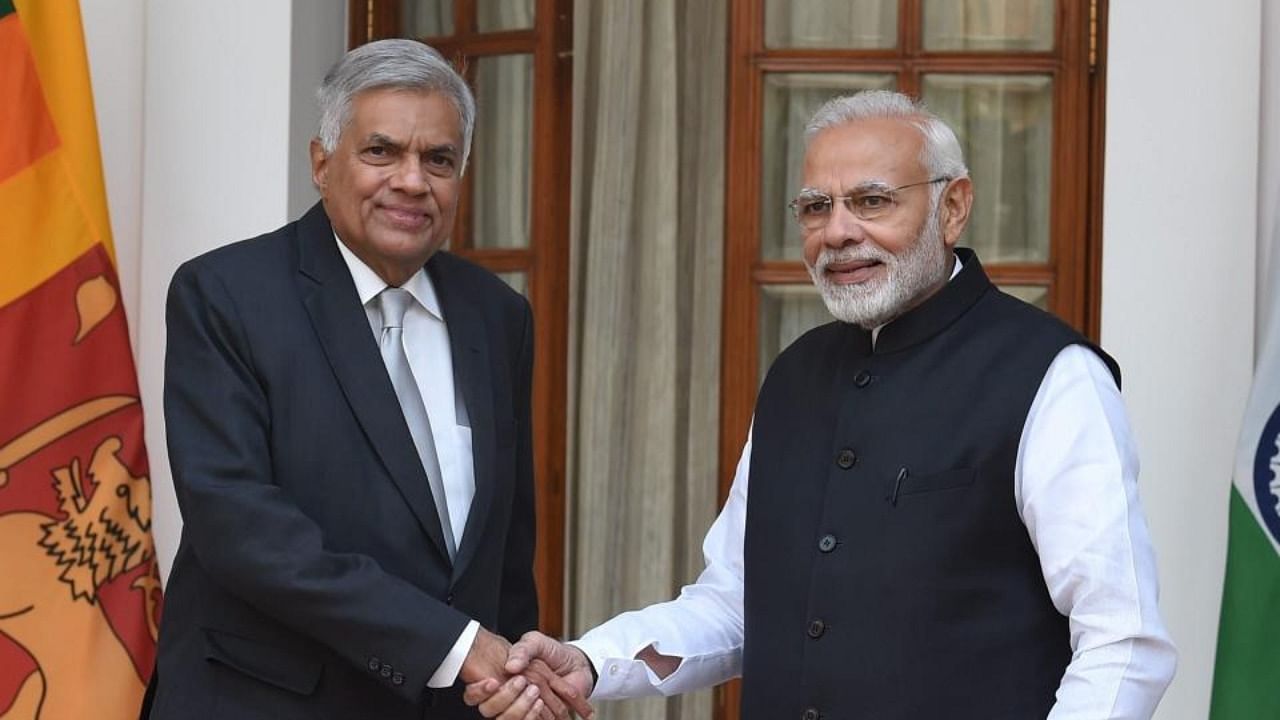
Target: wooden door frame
(1077, 65)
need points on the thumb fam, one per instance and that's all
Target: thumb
(530, 646)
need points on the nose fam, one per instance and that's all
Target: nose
(843, 227)
(409, 177)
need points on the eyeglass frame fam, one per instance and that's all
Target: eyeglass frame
(846, 200)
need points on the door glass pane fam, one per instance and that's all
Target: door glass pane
(494, 15)
(988, 24)
(502, 152)
(426, 18)
(844, 24)
(518, 280)
(786, 313)
(1037, 295)
(789, 100)
(1005, 125)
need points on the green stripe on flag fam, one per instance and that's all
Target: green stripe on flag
(1247, 671)
(6, 7)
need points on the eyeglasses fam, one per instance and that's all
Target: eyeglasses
(813, 208)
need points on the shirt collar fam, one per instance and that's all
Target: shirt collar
(368, 284)
(935, 314)
(955, 270)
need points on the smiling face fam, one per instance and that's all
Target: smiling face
(871, 271)
(390, 186)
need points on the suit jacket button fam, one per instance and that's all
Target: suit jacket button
(385, 671)
(827, 543)
(862, 379)
(811, 714)
(816, 628)
(397, 679)
(374, 664)
(846, 458)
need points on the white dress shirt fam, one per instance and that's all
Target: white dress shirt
(1075, 487)
(426, 343)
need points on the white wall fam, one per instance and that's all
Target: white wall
(319, 38)
(114, 41)
(1178, 287)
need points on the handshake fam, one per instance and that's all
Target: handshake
(538, 678)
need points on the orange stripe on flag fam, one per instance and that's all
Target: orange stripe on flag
(54, 30)
(26, 129)
(42, 228)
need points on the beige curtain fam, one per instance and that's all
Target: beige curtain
(502, 151)
(830, 23)
(648, 213)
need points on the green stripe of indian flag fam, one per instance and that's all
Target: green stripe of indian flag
(1246, 678)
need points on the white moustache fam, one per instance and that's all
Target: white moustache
(861, 253)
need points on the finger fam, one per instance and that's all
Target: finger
(561, 689)
(479, 691)
(505, 698)
(554, 704)
(523, 707)
(569, 693)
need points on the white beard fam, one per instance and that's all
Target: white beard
(921, 267)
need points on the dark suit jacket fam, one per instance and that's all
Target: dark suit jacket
(312, 579)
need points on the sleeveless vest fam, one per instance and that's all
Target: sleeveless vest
(888, 574)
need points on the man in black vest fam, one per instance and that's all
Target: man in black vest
(943, 517)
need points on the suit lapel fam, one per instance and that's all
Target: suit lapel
(469, 347)
(343, 328)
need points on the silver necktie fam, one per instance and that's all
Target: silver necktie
(393, 302)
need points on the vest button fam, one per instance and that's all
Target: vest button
(862, 379)
(816, 628)
(846, 458)
(827, 543)
(811, 714)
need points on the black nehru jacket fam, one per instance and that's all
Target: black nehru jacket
(888, 574)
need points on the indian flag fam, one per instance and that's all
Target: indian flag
(1246, 680)
(79, 587)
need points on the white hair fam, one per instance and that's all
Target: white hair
(941, 155)
(394, 64)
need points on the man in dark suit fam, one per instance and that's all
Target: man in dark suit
(348, 415)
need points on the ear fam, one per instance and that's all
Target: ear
(953, 209)
(319, 166)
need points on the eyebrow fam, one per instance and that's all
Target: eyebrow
(378, 138)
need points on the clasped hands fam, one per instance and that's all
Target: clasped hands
(538, 678)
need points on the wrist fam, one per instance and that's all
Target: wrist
(586, 660)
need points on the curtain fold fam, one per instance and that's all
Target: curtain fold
(647, 247)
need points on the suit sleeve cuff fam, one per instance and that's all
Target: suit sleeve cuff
(447, 673)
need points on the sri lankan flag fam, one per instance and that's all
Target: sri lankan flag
(79, 590)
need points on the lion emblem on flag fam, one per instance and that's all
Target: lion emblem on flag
(79, 586)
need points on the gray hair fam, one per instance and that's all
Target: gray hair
(395, 64)
(941, 156)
